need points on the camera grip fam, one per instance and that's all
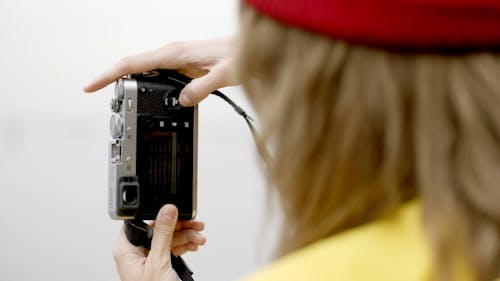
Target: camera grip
(140, 233)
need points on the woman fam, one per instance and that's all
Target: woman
(391, 166)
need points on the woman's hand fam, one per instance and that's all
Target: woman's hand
(208, 61)
(136, 263)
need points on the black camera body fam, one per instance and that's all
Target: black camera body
(153, 150)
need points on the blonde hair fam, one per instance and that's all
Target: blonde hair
(355, 132)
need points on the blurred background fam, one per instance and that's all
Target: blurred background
(54, 139)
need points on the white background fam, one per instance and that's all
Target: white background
(53, 139)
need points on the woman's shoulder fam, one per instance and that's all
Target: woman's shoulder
(392, 248)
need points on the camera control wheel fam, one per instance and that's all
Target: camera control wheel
(116, 126)
(115, 105)
(119, 90)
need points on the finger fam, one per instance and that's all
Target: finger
(195, 225)
(187, 236)
(180, 250)
(131, 64)
(199, 88)
(165, 57)
(163, 232)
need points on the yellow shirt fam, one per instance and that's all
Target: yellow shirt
(392, 248)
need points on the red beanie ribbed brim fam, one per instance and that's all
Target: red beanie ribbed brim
(418, 24)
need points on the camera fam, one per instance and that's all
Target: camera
(153, 147)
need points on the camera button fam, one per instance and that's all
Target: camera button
(172, 102)
(116, 151)
(129, 105)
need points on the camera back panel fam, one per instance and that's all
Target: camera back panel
(153, 151)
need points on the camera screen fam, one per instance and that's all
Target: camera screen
(164, 168)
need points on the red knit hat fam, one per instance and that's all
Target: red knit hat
(415, 24)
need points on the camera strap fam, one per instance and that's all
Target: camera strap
(140, 233)
(263, 152)
(183, 271)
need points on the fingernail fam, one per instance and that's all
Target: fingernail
(201, 239)
(168, 214)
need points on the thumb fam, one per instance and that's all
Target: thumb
(163, 232)
(199, 88)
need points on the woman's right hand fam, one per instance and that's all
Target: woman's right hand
(209, 62)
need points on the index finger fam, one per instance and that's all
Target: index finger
(160, 58)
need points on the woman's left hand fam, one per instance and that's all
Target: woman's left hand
(136, 263)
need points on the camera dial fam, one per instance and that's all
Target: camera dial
(116, 126)
(115, 105)
(119, 90)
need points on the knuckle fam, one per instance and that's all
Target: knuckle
(173, 49)
(193, 247)
(159, 263)
(191, 235)
(116, 255)
(178, 51)
(125, 64)
(175, 45)
(178, 251)
(164, 230)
